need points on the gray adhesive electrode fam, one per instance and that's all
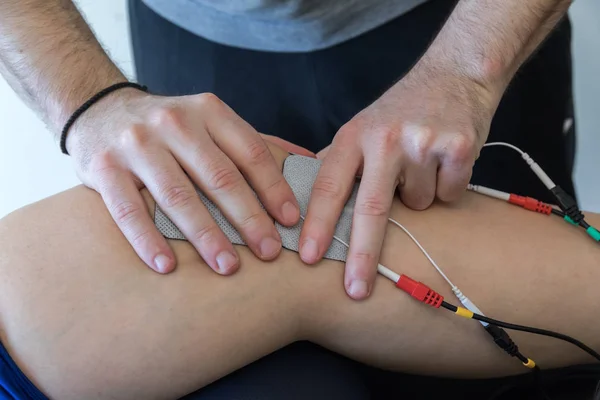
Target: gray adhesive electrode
(300, 172)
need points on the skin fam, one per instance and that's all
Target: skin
(422, 136)
(84, 318)
(160, 143)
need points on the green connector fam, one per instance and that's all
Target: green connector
(569, 220)
(593, 232)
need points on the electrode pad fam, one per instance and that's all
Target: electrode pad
(300, 172)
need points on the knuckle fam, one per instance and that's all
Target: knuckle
(176, 196)
(327, 187)
(103, 161)
(222, 178)
(124, 212)
(371, 206)
(275, 186)
(136, 137)
(347, 130)
(168, 116)
(251, 221)
(365, 257)
(386, 140)
(207, 234)
(257, 153)
(140, 238)
(461, 149)
(422, 139)
(208, 100)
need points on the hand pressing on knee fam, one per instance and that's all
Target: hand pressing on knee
(131, 139)
(421, 138)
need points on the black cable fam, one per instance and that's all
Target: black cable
(584, 224)
(538, 331)
(558, 212)
(522, 328)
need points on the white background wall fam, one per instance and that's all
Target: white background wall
(31, 166)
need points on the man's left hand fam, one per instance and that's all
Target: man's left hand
(421, 138)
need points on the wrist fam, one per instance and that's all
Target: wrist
(98, 113)
(488, 84)
(68, 97)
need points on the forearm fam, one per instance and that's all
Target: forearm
(51, 58)
(487, 40)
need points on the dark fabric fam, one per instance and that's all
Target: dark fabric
(300, 371)
(14, 385)
(306, 98)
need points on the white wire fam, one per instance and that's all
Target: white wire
(540, 173)
(515, 148)
(414, 239)
(381, 269)
(393, 276)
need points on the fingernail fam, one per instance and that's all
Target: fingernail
(290, 212)
(269, 248)
(358, 289)
(161, 263)
(226, 261)
(309, 251)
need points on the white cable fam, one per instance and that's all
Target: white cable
(515, 148)
(393, 276)
(382, 269)
(532, 164)
(497, 194)
(414, 239)
(464, 300)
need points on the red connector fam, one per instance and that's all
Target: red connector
(420, 291)
(531, 204)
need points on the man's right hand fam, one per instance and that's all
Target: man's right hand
(132, 139)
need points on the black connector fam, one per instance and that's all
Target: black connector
(503, 340)
(567, 204)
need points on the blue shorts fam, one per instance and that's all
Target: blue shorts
(14, 385)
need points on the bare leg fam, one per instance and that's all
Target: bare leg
(84, 318)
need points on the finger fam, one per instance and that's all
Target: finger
(288, 146)
(371, 212)
(330, 192)
(129, 211)
(456, 168)
(419, 184)
(176, 196)
(323, 153)
(250, 154)
(222, 182)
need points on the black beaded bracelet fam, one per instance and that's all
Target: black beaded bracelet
(94, 99)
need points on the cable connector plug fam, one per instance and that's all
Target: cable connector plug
(420, 291)
(567, 204)
(530, 203)
(594, 233)
(502, 340)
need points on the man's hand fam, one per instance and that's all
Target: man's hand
(132, 139)
(422, 137)
(424, 134)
